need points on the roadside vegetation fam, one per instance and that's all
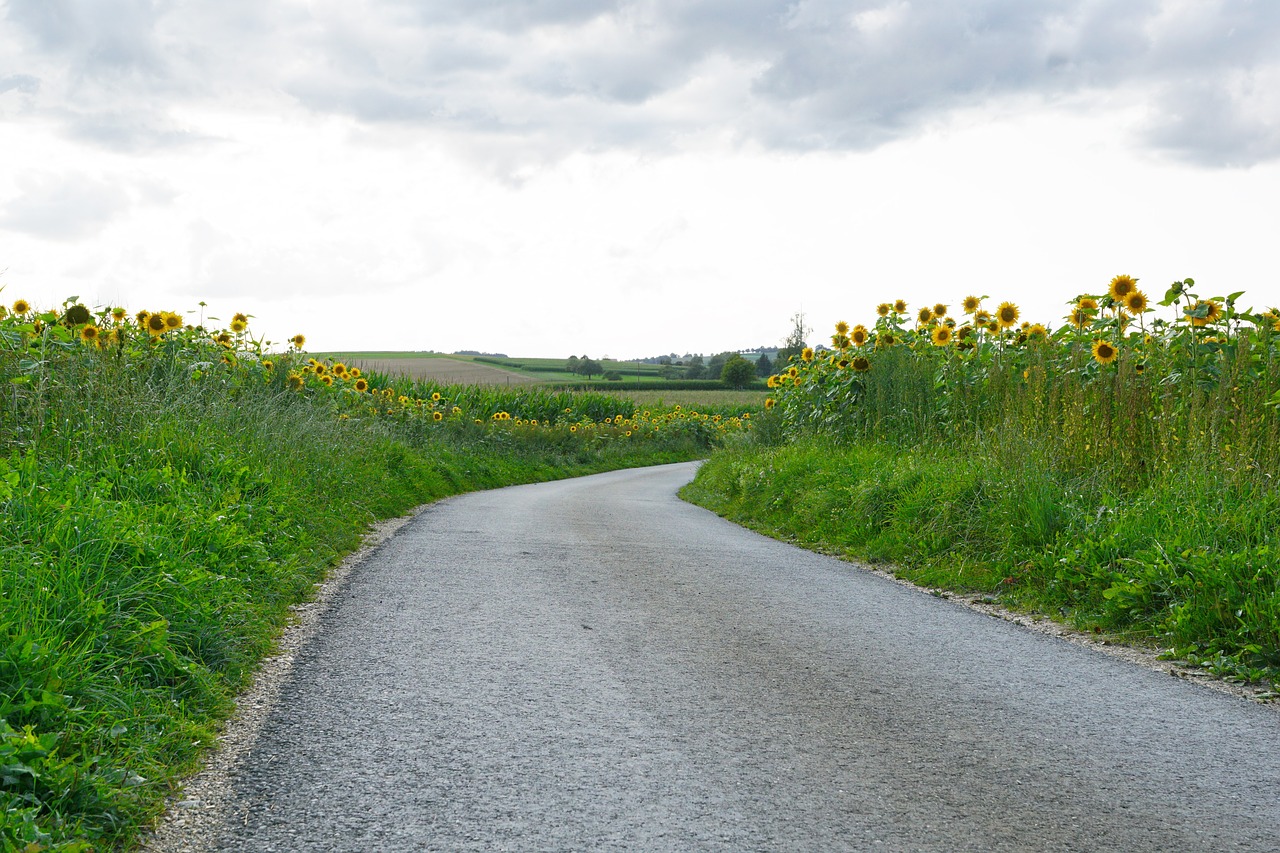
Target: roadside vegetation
(1119, 472)
(168, 491)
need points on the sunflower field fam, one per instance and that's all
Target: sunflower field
(1117, 468)
(170, 488)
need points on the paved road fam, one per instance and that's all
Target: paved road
(595, 665)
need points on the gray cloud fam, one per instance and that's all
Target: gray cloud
(583, 74)
(62, 207)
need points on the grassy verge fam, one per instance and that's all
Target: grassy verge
(1119, 472)
(167, 494)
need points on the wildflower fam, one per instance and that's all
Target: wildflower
(1103, 351)
(806, 354)
(900, 306)
(573, 427)
(353, 372)
(319, 368)
(437, 416)
(924, 316)
(884, 308)
(89, 334)
(771, 382)
(339, 369)
(242, 319)
(1087, 303)
(156, 325)
(173, 321)
(939, 310)
(859, 335)
(861, 364)
(941, 336)
(142, 317)
(971, 304)
(1080, 318)
(326, 379)
(435, 396)
(792, 371)
(238, 327)
(842, 328)
(21, 307)
(298, 341)
(1122, 286)
(1006, 315)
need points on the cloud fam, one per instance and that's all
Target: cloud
(550, 77)
(62, 207)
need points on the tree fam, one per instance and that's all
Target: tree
(717, 362)
(695, 368)
(589, 367)
(795, 343)
(668, 371)
(572, 364)
(764, 367)
(737, 372)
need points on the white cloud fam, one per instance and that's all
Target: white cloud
(62, 206)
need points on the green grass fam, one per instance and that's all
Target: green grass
(1129, 489)
(163, 508)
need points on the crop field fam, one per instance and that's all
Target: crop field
(450, 371)
(1118, 469)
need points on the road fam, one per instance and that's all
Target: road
(593, 664)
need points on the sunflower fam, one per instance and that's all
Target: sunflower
(859, 335)
(1007, 315)
(1140, 367)
(457, 410)
(971, 304)
(295, 381)
(900, 306)
(1080, 318)
(435, 397)
(223, 338)
(268, 364)
(242, 319)
(76, 315)
(941, 336)
(320, 369)
(1213, 311)
(298, 341)
(884, 308)
(981, 318)
(353, 372)
(771, 382)
(842, 328)
(862, 364)
(21, 306)
(1122, 286)
(362, 385)
(89, 334)
(573, 427)
(437, 416)
(1037, 330)
(806, 354)
(326, 379)
(118, 314)
(339, 369)
(885, 340)
(142, 317)
(1087, 303)
(1136, 302)
(939, 310)
(238, 326)
(173, 321)
(1103, 351)
(839, 341)
(924, 316)
(156, 324)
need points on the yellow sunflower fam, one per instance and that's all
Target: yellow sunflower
(1213, 312)
(156, 324)
(362, 385)
(971, 304)
(769, 403)
(923, 316)
(1136, 302)
(1103, 351)
(1122, 286)
(900, 305)
(1087, 303)
(295, 381)
(118, 314)
(941, 335)
(437, 416)
(1080, 318)
(326, 379)
(238, 326)
(21, 306)
(89, 334)
(842, 328)
(298, 341)
(771, 382)
(981, 318)
(1007, 315)
(862, 364)
(884, 308)
(859, 335)
(242, 319)
(173, 321)
(1038, 331)
(939, 310)
(806, 354)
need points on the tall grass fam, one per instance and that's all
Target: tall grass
(166, 496)
(1120, 471)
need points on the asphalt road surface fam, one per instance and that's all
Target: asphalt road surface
(595, 665)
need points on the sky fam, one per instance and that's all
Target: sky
(635, 177)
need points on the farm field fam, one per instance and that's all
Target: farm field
(748, 401)
(448, 371)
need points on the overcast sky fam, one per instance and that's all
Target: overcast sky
(630, 178)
